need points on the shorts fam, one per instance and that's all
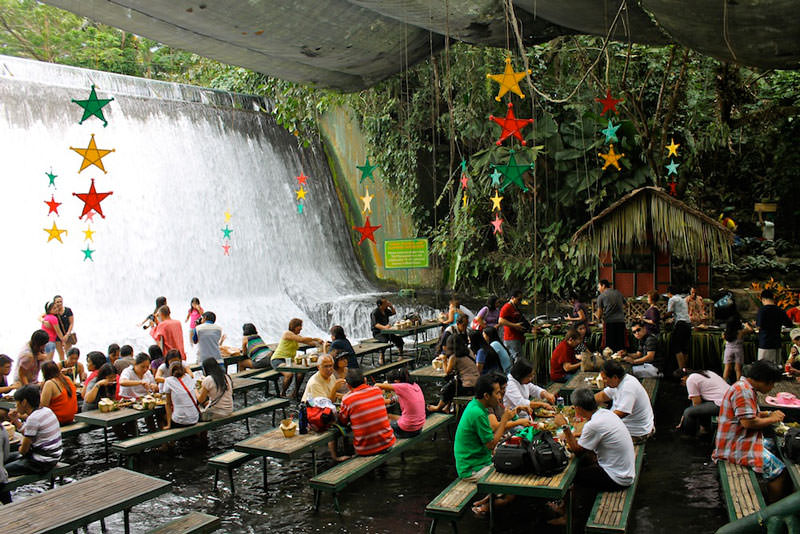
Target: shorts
(771, 355)
(402, 434)
(50, 347)
(681, 335)
(477, 475)
(263, 363)
(733, 356)
(772, 467)
(277, 362)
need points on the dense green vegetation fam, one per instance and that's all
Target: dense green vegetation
(737, 129)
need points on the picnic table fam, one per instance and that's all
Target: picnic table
(427, 374)
(531, 485)
(302, 347)
(107, 420)
(366, 348)
(75, 505)
(273, 444)
(228, 360)
(424, 326)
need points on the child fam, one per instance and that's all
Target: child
(734, 347)
(793, 361)
(412, 404)
(194, 313)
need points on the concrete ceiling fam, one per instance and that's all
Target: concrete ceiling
(353, 44)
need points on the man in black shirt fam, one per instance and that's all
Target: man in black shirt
(646, 361)
(379, 319)
(769, 320)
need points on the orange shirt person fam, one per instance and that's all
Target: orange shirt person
(168, 333)
(58, 393)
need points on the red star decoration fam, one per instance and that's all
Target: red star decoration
(511, 125)
(53, 205)
(497, 224)
(464, 180)
(92, 200)
(226, 249)
(89, 216)
(609, 103)
(302, 179)
(672, 190)
(367, 231)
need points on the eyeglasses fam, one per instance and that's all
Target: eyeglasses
(636, 331)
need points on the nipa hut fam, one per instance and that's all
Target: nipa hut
(648, 240)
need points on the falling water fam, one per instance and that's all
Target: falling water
(183, 157)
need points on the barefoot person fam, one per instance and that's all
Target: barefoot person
(168, 333)
(364, 410)
(286, 351)
(30, 358)
(324, 383)
(706, 391)
(629, 400)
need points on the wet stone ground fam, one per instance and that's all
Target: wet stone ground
(678, 491)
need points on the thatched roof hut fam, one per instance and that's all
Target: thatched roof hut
(649, 217)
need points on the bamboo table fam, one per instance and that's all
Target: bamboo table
(273, 444)
(67, 508)
(530, 485)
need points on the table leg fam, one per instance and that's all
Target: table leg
(105, 441)
(264, 471)
(569, 511)
(314, 461)
(491, 512)
(126, 515)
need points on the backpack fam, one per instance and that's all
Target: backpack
(791, 444)
(319, 418)
(548, 457)
(513, 456)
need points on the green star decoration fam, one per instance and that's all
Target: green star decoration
(93, 106)
(300, 208)
(496, 178)
(52, 178)
(366, 171)
(226, 232)
(672, 168)
(611, 132)
(87, 253)
(513, 172)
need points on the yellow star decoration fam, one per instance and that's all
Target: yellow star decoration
(88, 233)
(673, 148)
(496, 199)
(54, 233)
(367, 200)
(509, 80)
(611, 158)
(92, 155)
(465, 200)
(301, 193)
(227, 216)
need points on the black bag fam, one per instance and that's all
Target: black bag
(513, 456)
(548, 456)
(791, 444)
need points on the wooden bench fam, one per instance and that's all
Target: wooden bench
(612, 508)
(73, 429)
(740, 489)
(340, 476)
(248, 373)
(554, 388)
(58, 471)
(194, 523)
(385, 368)
(269, 376)
(650, 385)
(451, 503)
(427, 348)
(138, 444)
(228, 460)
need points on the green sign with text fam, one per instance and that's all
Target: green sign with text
(405, 254)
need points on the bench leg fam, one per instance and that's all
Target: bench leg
(336, 503)
(126, 518)
(569, 512)
(491, 512)
(273, 418)
(455, 527)
(317, 496)
(432, 528)
(103, 526)
(264, 471)
(230, 476)
(216, 478)
(314, 462)
(105, 441)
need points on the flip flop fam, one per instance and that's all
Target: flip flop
(480, 512)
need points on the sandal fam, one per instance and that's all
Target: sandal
(480, 511)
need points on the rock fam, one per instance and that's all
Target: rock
(770, 251)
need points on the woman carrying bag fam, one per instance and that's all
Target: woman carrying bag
(217, 390)
(182, 407)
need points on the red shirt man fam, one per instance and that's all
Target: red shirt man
(365, 410)
(511, 319)
(563, 360)
(168, 332)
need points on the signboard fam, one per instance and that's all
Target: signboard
(405, 253)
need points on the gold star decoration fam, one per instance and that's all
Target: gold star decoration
(88, 233)
(464, 200)
(496, 199)
(301, 193)
(54, 233)
(367, 200)
(227, 216)
(673, 148)
(611, 158)
(92, 155)
(508, 80)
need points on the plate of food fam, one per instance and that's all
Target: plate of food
(544, 412)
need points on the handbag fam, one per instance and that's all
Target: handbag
(548, 456)
(72, 339)
(513, 456)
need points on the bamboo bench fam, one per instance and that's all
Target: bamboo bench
(194, 523)
(385, 368)
(612, 508)
(134, 446)
(451, 503)
(342, 475)
(58, 471)
(740, 489)
(650, 385)
(228, 460)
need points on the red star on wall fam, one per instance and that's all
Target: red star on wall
(609, 103)
(302, 179)
(464, 181)
(53, 205)
(226, 249)
(510, 125)
(92, 200)
(367, 231)
(672, 190)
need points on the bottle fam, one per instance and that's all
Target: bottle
(560, 403)
(303, 419)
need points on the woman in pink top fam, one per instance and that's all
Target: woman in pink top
(706, 390)
(53, 329)
(193, 315)
(412, 404)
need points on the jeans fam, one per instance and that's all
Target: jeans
(402, 434)
(514, 347)
(701, 414)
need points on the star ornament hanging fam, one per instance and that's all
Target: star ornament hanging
(54, 233)
(366, 171)
(367, 231)
(464, 181)
(226, 232)
(228, 217)
(497, 225)
(52, 178)
(367, 200)
(92, 155)
(52, 205)
(87, 254)
(672, 147)
(672, 188)
(611, 158)
(300, 208)
(672, 168)
(609, 103)
(495, 176)
(88, 234)
(93, 107)
(510, 125)
(464, 200)
(92, 200)
(513, 172)
(496, 199)
(226, 249)
(301, 180)
(89, 216)
(301, 193)
(611, 132)
(508, 80)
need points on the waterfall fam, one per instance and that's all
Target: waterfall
(183, 157)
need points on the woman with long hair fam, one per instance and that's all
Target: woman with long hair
(102, 386)
(488, 315)
(182, 407)
(254, 348)
(486, 357)
(31, 357)
(216, 389)
(461, 365)
(192, 316)
(58, 393)
(492, 337)
(286, 351)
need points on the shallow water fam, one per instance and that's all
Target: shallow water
(678, 491)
